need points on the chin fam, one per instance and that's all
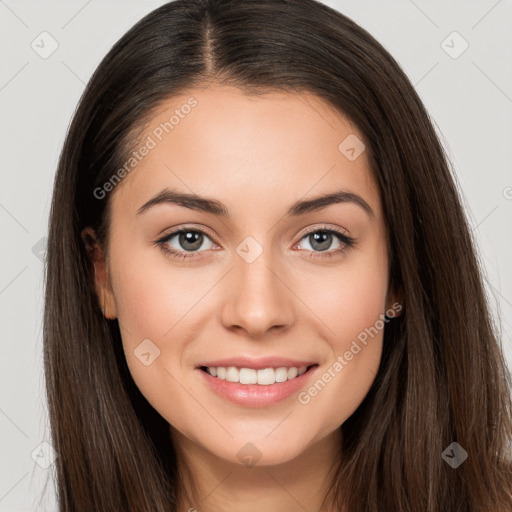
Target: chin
(259, 452)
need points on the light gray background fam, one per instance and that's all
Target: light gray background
(469, 98)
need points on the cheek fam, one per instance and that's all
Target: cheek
(152, 313)
(355, 340)
(351, 306)
(143, 294)
(142, 299)
(151, 297)
(353, 296)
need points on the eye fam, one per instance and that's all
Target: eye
(188, 240)
(191, 240)
(320, 239)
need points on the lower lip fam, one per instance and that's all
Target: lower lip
(256, 395)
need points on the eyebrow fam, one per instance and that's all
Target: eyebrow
(215, 207)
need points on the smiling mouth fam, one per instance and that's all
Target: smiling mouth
(251, 376)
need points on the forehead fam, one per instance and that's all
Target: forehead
(247, 150)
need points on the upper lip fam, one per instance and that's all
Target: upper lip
(257, 363)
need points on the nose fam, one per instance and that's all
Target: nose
(257, 297)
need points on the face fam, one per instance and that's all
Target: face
(264, 285)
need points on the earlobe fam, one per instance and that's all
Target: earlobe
(102, 283)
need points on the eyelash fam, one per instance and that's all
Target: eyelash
(347, 242)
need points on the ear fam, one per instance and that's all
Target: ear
(102, 283)
(395, 301)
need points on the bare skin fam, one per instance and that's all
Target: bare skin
(258, 156)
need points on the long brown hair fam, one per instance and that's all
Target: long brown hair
(442, 378)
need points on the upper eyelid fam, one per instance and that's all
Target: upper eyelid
(325, 227)
(179, 229)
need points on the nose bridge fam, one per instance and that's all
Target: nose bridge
(258, 300)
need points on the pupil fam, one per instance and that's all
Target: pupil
(191, 237)
(323, 239)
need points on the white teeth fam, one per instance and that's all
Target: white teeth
(248, 376)
(281, 374)
(263, 377)
(292, 372)
(266, 376)
(232, 374)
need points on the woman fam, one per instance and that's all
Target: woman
(325, 342)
